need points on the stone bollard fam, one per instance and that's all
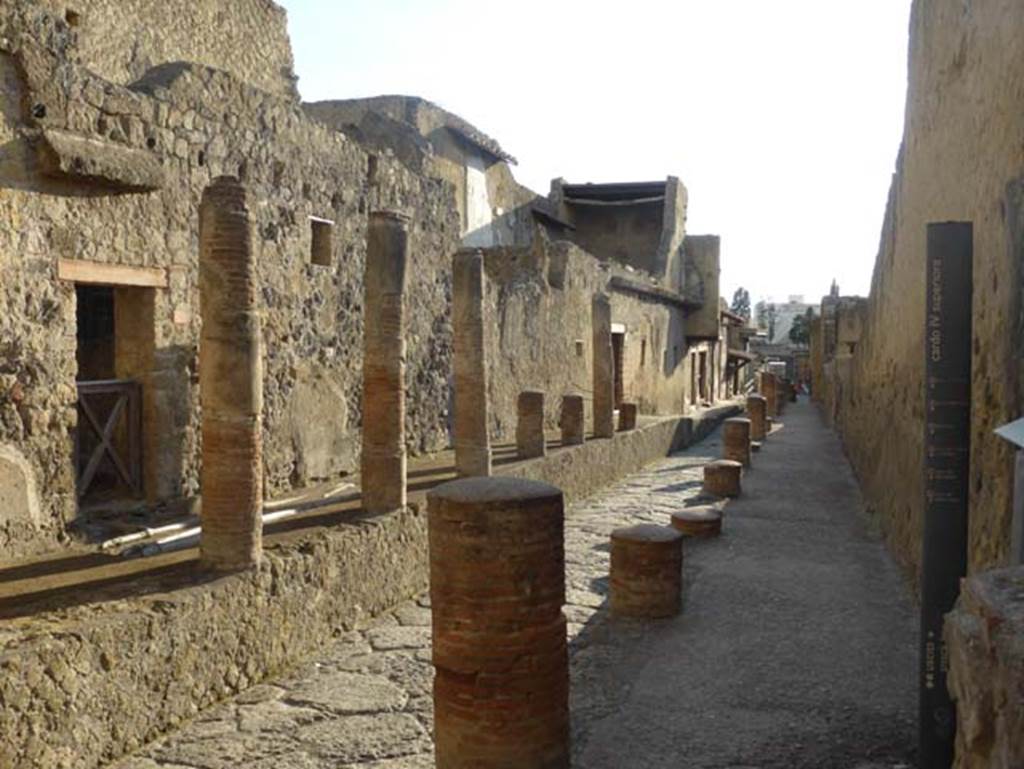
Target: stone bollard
(698, 522)
(572, 420)
(627, 417)
(530, 424)
(383, 464)
(736, 440)
(497, 587)
(604, 368)
(230, 382)
(646, 571)
(722, 478)
(469, 360)
(757, 413)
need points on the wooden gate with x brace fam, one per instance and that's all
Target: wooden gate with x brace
(126, 411)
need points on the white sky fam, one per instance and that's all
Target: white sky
(782, 117)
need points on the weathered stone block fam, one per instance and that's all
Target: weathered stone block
(83, 158)
(985, 640)
(19, 501)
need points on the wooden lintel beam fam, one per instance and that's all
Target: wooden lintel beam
(81, 271)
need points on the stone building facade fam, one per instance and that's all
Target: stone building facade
(106, 147)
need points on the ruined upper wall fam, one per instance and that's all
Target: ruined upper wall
(494, 209)
(120, 40)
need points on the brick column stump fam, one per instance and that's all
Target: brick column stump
(736, 440)
(572, 420)
(530, 424)
(646, 571)
(497, 588)
(757, 412)
(627, 417)
(230, 382)
(698, 522)
(383, 462)
(722, 478)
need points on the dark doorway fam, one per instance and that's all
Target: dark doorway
(108, 438)
(618, 354)
(702, 374)
(95, 351)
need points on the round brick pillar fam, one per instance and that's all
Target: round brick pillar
(722, 478)
(736, 440)
(230, 381)
(698, 522)
(646, 571)
(757, 412)
(497, 587)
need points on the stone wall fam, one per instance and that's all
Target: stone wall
(539, 334)
(121, 40)
(961, 160)
(985, 638)
(123, 188)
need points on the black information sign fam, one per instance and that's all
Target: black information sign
(947, 464)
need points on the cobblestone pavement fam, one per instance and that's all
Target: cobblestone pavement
(752, 674)
(366, 701)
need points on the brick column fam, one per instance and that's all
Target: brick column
(530, 424)
(572, 420)
(604, 368)
(722, 478)
(471, 438)
(627, 417)
(757, 413)
(769, 388)
(646, 577)
(736, 440)
(383, 458)
(497, 587)
(230, 382)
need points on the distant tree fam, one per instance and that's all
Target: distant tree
(800, 331)
(741, 302)
(761, 315)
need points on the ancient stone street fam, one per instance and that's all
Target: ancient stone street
(795, 647)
